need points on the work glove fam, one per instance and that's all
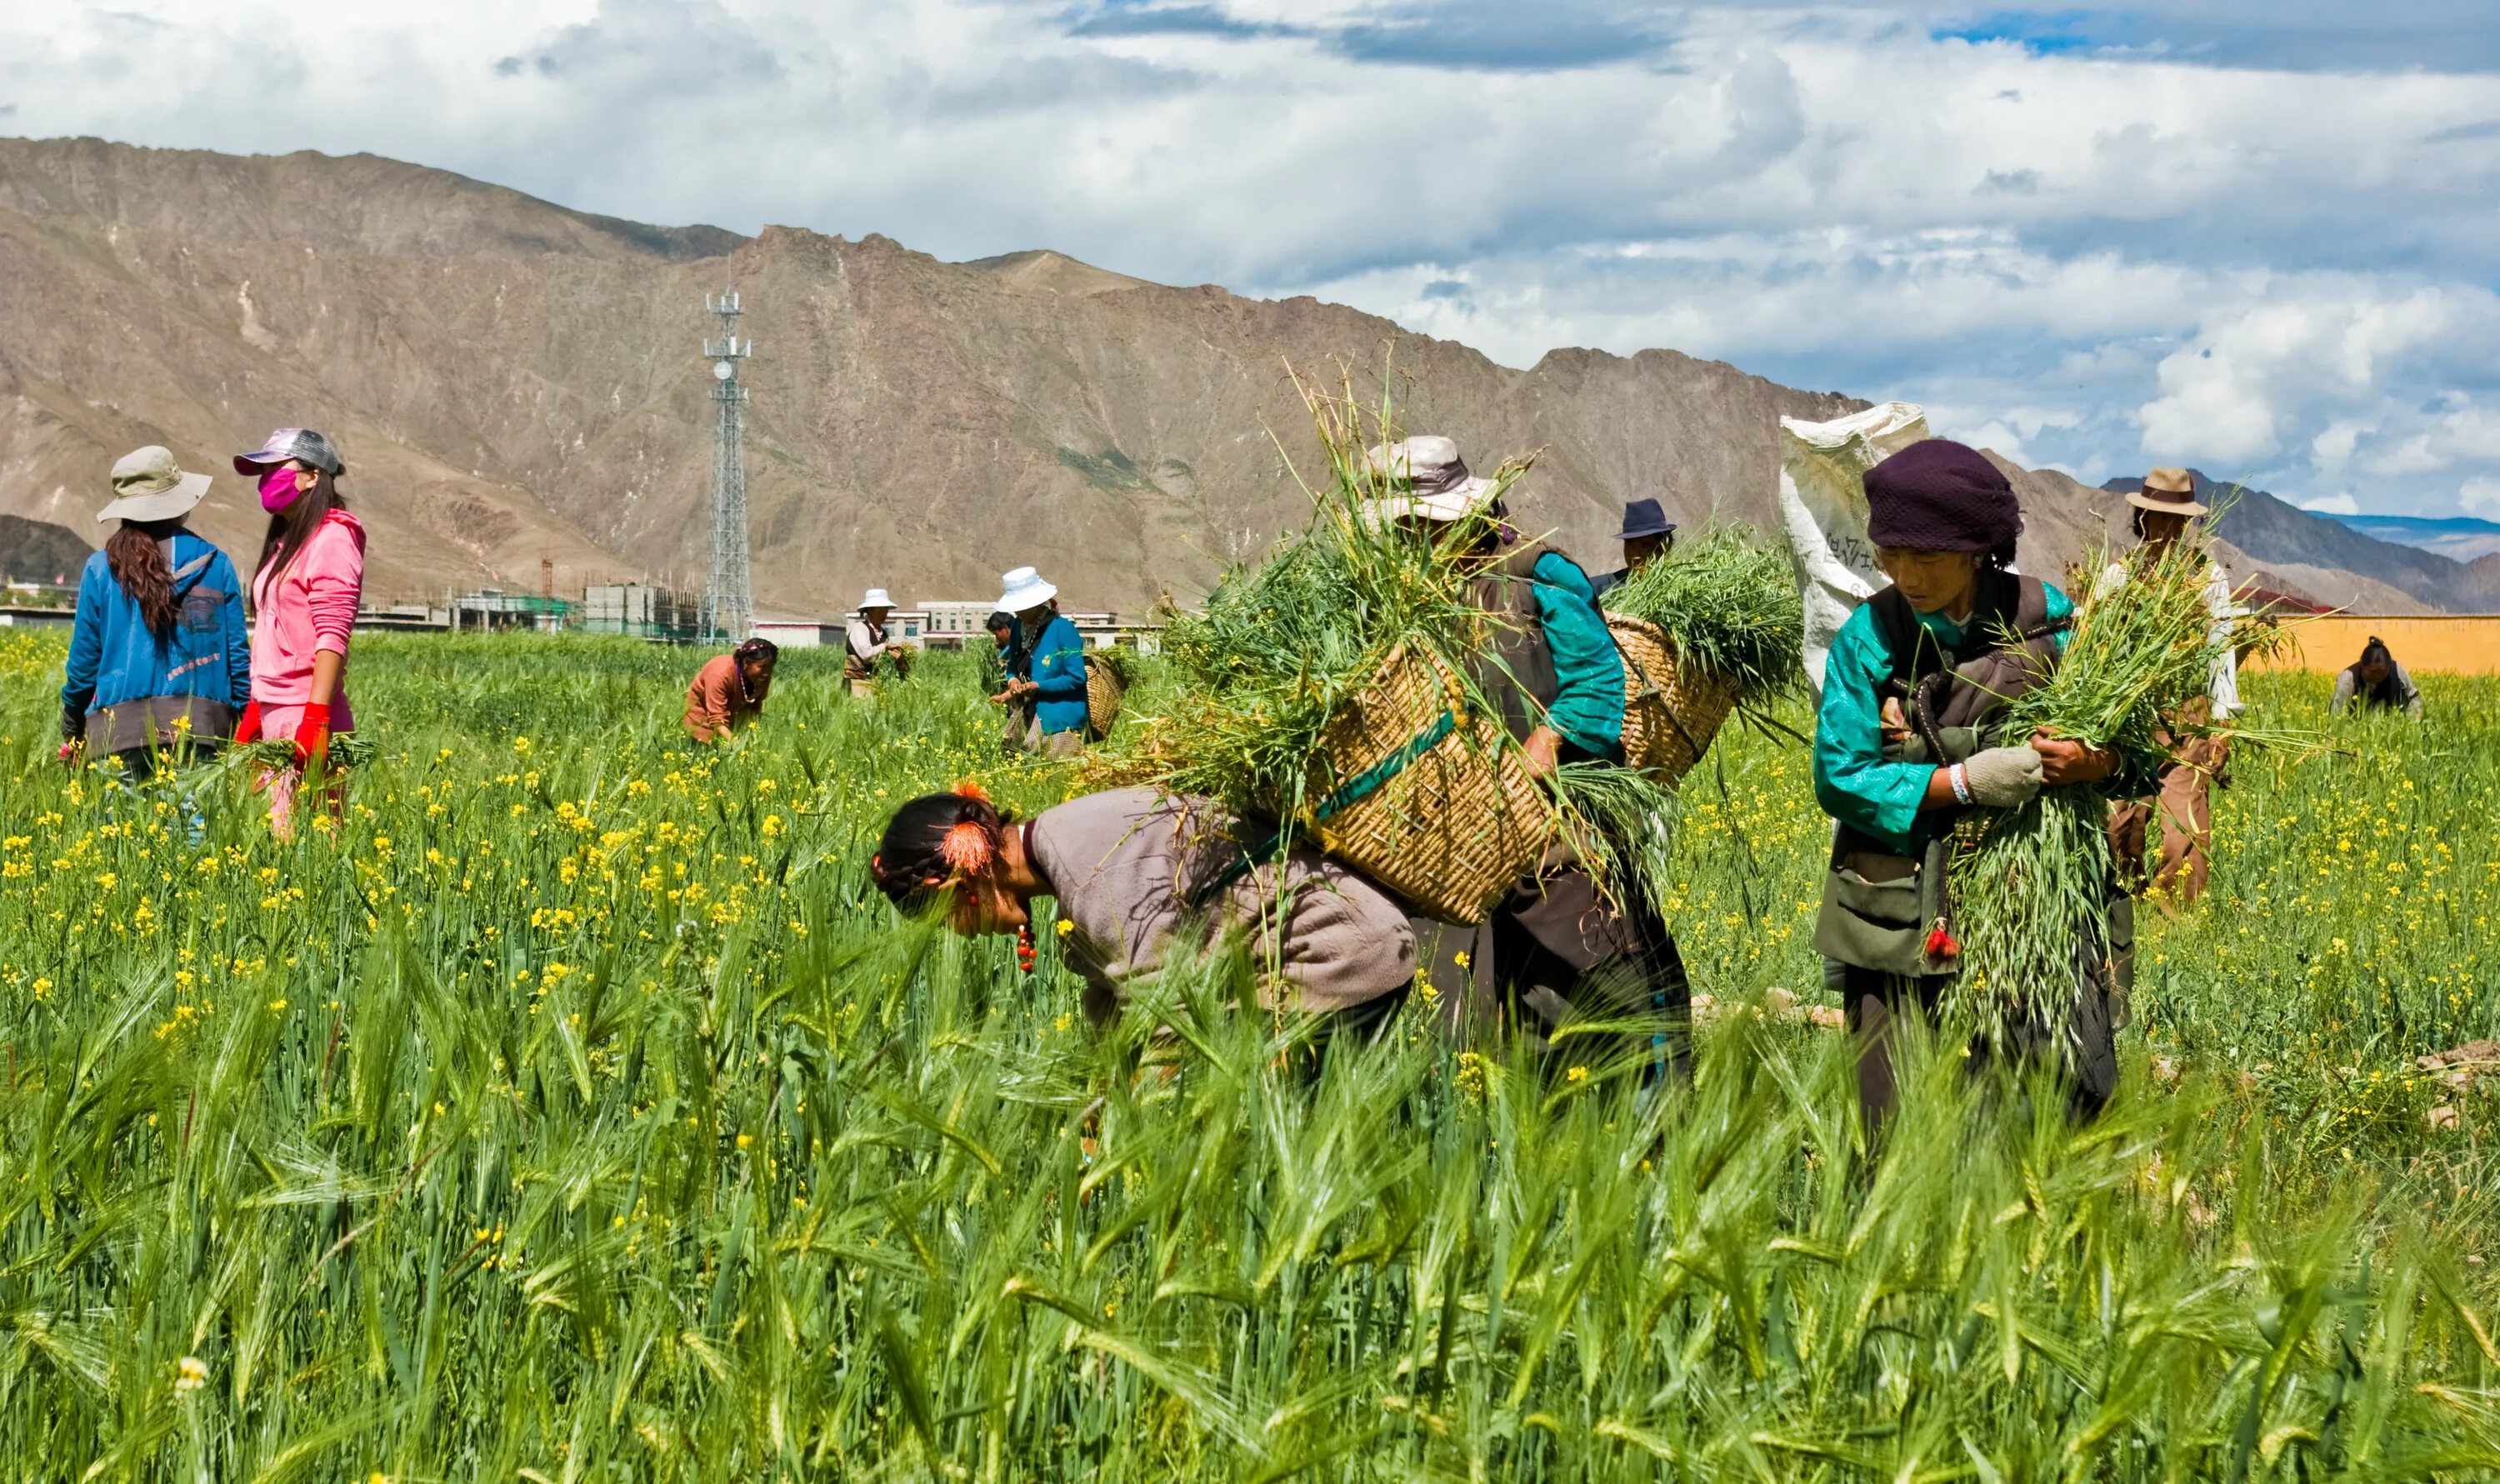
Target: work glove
(73, 734)
(2003, 777)
(248, 729)
(313, 740)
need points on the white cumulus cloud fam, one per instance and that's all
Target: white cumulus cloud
(2231, 233)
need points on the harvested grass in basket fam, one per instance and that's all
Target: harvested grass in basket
(1671, 711)
(1291, 647)
(1730, 608)
(1419, 795)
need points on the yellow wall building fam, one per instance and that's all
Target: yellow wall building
(2425, 645)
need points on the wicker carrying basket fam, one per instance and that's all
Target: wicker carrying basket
(1669, 715)
(1453, 826)
(1103, 692)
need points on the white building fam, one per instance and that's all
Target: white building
(949, 623)
(797, 633)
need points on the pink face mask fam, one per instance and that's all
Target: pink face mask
(278, 489)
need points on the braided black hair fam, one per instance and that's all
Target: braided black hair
(931, 840)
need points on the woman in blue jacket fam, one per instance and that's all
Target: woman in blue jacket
(1054, 665)
(160, 657)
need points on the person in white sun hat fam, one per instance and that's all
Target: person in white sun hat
(1054, 678)
(867, 641)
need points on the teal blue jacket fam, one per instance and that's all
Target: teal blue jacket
(1587, 710)
(113, 658)
(1058, 669)
(1853, 780)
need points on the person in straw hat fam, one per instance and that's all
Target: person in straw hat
(305, 592)
(2160, 512)
(1906, 739)
(1053, 683)
(159, 660)
(1559, 947)
(865, 641)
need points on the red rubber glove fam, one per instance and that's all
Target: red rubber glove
(249, 728)
(313, 737)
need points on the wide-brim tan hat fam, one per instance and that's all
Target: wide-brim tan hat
(1432, 483)
(148, 485)
(2169, 492)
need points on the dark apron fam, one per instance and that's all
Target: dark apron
(1878, 905)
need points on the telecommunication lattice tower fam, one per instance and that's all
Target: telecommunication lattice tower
(728, 607)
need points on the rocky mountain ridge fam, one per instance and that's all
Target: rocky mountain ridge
(512, 382)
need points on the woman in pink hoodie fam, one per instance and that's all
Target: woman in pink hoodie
(305, 592)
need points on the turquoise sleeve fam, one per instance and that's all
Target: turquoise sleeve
(1587, 708)
(1059, 663)
(2059, 607)
(1853, 780)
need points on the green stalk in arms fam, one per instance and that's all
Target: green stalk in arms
(1908, 737)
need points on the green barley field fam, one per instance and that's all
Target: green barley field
(575, 1111)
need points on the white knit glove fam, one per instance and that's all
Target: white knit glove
(2003, 777)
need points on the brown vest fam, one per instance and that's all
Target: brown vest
(2008, 646)
(1878, 906)
(1513, 667)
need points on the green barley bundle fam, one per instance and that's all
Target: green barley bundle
(2031, 886)
(347, 749)
(1287, 643)
(1731, 606)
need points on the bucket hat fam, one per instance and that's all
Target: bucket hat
(286, 444)
(1025, 591)
(148, 485)
(2169, 492)
(1644, 518)
(876, 598)
(1429, 480)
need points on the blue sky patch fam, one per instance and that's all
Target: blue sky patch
(2046, 32)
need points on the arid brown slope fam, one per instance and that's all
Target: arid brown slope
(512, 380)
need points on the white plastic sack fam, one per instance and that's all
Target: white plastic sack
(1822, 502)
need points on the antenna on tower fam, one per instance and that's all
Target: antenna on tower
(728, 607)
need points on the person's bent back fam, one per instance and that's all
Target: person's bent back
(729, 691)
(2377, 682)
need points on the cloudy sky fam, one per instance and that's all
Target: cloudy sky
(2257, 236)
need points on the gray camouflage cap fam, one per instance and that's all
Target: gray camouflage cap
(299, 444)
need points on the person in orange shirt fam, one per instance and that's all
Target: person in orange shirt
(730, 690)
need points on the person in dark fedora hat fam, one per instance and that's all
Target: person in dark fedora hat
(159, 661)
(2160, 514)
(1647, 534)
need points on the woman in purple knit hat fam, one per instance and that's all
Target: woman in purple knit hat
(1908, 737)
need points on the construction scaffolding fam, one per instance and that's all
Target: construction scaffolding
(640, 610)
